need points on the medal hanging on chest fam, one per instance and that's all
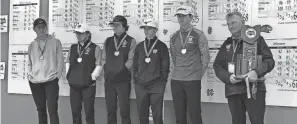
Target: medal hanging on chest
(117, 47)
(184, 43)
(41, 57)
(79, 60)
(183, 51)
(148, 60)
(148, 53)
(116, 53)
(80, 51)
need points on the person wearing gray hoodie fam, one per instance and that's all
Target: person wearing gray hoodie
(46, 66)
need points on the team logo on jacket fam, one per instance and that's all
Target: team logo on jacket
(88, 50)
(155, 50)
(190, 39)
(124, 43)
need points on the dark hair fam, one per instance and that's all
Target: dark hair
(39, 21)
(235, 14)
(88, 32)
(126, 26)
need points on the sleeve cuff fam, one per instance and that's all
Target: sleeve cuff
(228, 78)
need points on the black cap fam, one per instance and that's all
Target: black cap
(39, 21)
(119, 18)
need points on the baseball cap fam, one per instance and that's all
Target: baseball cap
(119, 18)
(39, 21)
(82, 28)
(150, 23)
(184, 10)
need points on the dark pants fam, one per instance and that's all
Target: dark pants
(87, 96)
(121, 91)
(187, 94)
(145, 99)
(239, 104)
(46, 94)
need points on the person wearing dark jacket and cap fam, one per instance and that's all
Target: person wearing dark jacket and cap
(236, 59)
(83, 68)
(150, 71)
(117, 58)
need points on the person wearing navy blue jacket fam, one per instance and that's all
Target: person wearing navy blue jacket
(83, 67)
(117, 58)
(150, 72)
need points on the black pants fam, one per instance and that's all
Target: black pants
(145, 99)
(239, 104)
(46, 94)
(187, 94)
(87, 96)
(121, 91)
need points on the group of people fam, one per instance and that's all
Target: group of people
(147, 63)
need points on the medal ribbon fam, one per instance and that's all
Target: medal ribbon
(39, 48)
(80, 52)
(148, 53)
(184, 43)
(234, 50)
(116, 43)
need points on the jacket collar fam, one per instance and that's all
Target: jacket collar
(152, 40)
(120, 37)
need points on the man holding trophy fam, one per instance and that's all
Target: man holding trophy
(241, 63)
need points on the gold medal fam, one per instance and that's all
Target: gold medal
(117, 46)
(184, 43)
(80, 51)
(184, 51)
(79, 60)
(147, 60)
(116, 53)
(41, 57)
(148, 53)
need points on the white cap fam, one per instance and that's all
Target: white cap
(150, 23)
(184, 10)
(82, 28)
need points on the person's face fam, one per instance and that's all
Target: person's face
(118, 27)
(40, 29)
(184, 19)
(81, 37)
(150, 32)
(235, 24)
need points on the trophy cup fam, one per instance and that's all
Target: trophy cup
(249, 59)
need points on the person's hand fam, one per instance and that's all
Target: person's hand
(96, 73)
(233, 80)
(253, 76)
(94, 76)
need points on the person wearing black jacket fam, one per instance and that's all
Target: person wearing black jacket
(228, 63)
(117, 58)
(83, 67)
(150, 70)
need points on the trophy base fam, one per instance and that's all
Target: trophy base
(242, 77)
